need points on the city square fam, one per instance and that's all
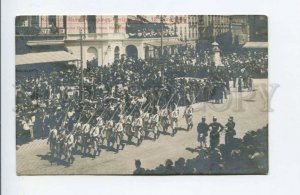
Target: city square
(127, 94)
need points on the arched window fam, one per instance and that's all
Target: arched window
(132, 51)
(92, 56)
(117, 53)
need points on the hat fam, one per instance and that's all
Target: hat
(230, 118)
(214, 118)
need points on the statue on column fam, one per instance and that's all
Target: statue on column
(216, 57)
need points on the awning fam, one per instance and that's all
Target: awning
(44, 57)
(258, 45)
(165, 43)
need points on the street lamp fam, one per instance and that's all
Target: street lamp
(161, 46)
(81, 68)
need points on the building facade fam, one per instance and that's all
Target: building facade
(109, 38)
(101, 40)
(224, 28)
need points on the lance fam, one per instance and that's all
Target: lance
(65, 118)
(166, 105)
(147, 106)
(158, 98)
(80, 116)
(114, 112)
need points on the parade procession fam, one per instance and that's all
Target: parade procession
(88, 105)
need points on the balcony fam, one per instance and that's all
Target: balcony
(35, 30)
(97, 36)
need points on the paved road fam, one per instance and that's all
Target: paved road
(247, 109)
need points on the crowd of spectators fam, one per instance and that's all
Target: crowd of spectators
(42, 98)
(248, 155)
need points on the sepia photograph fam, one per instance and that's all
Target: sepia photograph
(141, 95)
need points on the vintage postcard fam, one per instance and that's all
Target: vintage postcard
(141, 94)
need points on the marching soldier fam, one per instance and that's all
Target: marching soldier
(214, 135)
(109, 131)
(78, 127)
(174, 120)
(118, 130)
(69, 145)
(52, 139)
(155, 123)
(137, 126)
(146, 123)
(164, 119)
(128, 126)
(94, 135)
(230, 131)
(53, 135)
(202, 130)
(188, 114)
(60, 142)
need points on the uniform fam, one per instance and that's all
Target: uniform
(119, 134)
(154, 124)
(174, 120)
(138, 123)
(188, 113)
(215, 133)
(53, 135)
(165, 122)
(109, 129)
(69, 145)
(146, 122)
(128, 127)
(77, 127)
(230, 131)
(202, 130)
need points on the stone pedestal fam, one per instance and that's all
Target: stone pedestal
(216, 57)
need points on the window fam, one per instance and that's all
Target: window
(91, 24)
(35, 21)
(116, 24)
(117, 53)
(52, 21)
